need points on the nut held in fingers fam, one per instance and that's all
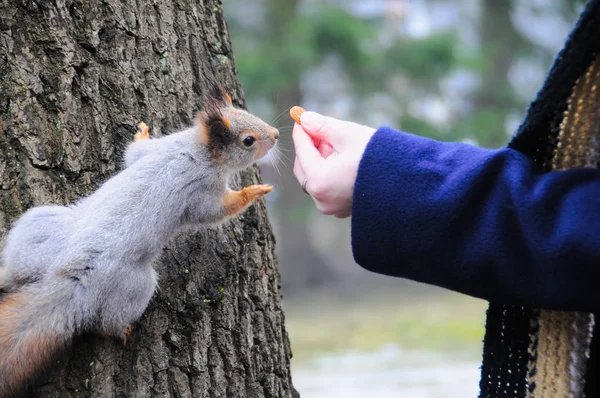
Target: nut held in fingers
(296, 112)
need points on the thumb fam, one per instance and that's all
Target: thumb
(328, 129)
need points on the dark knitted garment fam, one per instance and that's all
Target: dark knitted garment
(537, 138)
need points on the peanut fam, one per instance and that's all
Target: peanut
(296, 112)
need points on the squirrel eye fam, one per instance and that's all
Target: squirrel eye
(248, 141)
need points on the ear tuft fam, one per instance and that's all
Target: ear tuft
(215, 95)
(228, 99)
(202, 128)
(214, 129)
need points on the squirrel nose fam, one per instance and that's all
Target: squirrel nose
(276, 134)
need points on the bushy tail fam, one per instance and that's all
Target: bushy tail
(31, 335)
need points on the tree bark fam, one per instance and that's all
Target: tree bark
(75, 78)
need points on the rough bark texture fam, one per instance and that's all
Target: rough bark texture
(75, 78)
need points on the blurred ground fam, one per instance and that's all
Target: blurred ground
(388, 372)
(403, 339)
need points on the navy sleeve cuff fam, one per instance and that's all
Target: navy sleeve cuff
(379, 190)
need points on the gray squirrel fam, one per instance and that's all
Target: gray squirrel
(88, 266)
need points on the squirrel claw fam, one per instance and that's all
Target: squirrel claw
(126, 334)
(143, 132)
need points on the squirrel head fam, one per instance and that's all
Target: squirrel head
(232, 136)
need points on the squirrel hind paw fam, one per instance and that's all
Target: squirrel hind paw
(126, 334)
(142, 132)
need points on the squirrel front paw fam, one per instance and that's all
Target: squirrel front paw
(236, 201)
(142, 133)
(257, 191)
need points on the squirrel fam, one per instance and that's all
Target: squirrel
(88, 266)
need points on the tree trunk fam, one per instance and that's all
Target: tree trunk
(304, 268)
(75, 78)
(500, 43)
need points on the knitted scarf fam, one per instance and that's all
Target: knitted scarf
(535, 352)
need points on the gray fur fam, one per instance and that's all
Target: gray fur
(99, 251)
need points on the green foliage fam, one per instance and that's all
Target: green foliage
(277, 63)
(334, 31)
(426, 59)
(267, 66)
(271, 65)
(486, 126)
(412, 123)
(298, 36)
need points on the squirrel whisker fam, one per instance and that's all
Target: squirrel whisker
(280, 115)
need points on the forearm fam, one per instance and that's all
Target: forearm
(480, 222)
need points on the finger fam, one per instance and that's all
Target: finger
(316, 140)
(298, 172)
(343, 213)
(307, 154)
(300, 176)
(325, 149)
(325, 128)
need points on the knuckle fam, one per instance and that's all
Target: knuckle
(325, 208)
(321, 207)
(328, 211)
(325, 127)
(318, 191)
(343, 214)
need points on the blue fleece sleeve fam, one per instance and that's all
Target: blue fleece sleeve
(481, 222)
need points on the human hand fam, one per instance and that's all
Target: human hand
(328, 152)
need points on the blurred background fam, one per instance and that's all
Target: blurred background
(451, 70)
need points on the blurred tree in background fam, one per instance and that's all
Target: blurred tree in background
(453, 71)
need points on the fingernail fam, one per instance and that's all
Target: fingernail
(312, 120)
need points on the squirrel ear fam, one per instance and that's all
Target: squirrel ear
(214, 131)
